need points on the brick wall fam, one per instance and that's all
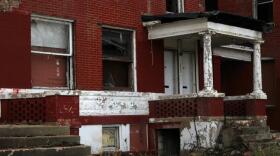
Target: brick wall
(89, 16)
(239, 7)
(271, 49)
(194, 5)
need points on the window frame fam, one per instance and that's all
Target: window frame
(117, 135)
(70, 55)
(133, 62)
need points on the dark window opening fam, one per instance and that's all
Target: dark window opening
(117, 59)
(172, 6)
(265, 10)
(211, 5)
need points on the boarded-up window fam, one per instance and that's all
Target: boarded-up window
(117, 59)
(110, 138)
(51, 52)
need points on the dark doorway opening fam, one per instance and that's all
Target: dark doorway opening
(236, 77)
(211, 5)
(168, 142)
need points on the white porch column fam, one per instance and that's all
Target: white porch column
(257, 72)
(208, 89)
(207, 61)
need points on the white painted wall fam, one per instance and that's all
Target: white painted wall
(208, 132)
(91, 135)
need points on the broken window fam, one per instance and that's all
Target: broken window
(172, 6)
(211, 5)
(265, 10)
(110, 138)
(51, 52)
(117, 59)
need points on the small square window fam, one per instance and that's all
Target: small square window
(110, 138)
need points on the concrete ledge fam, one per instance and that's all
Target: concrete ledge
(42, 141)
(80, 150)
(32, 130)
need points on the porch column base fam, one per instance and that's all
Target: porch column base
(210, 93)
(210, 106)
(258, 94)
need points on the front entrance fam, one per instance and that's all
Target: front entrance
(179, 72)
(168, 142)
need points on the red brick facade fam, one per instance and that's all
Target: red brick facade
(89, 17)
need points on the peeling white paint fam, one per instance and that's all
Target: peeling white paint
(207, 131)
(257, 72)
(94, 103)
(91, 135)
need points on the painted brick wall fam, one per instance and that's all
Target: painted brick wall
(15, 50)
(89, 16)
(194, 5)
(239, 7)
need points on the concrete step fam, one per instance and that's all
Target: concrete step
(38, 141)
(33, 130)
(254, 130)
(276, 136)
(79, 150)
(262, 144)
(248, 123)
(256, 137)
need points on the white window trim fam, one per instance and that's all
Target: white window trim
(70, 66)
(134, 67)
(181, 6)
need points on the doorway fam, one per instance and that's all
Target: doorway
(168, 142)
(179, 72)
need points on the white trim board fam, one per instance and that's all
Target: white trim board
(233, 54)
(193, 26)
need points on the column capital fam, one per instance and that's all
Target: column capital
(207, 32)
(257, 42)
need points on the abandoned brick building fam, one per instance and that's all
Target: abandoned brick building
(139, 75)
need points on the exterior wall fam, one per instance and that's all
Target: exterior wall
(15, 50)
(239, 7)
(87, 38)
(207, 130)
(270, 48)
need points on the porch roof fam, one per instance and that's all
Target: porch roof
(213, 16)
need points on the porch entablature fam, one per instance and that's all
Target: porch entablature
(196, 26)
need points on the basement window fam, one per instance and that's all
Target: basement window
(51, 52)
(110, 138)
(265, 10)
(117, 59)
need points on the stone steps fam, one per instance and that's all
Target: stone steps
(255, 134)
(40, 140)
(79, 150)
(32, 130)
